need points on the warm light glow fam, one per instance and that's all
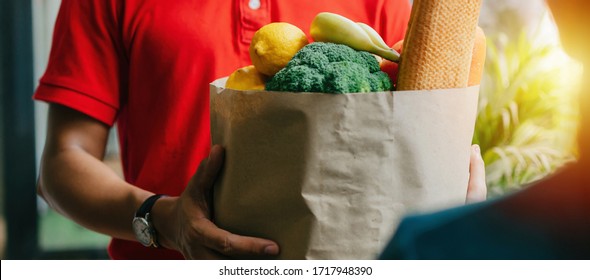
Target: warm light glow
(529, 106)
(548, 33)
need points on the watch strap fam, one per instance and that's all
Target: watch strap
(147, 205)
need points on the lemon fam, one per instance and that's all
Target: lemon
(274, 44)
(246, 78)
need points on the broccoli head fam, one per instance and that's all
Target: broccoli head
(330, 68)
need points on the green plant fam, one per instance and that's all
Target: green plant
(527, 115)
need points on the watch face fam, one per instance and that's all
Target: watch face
(142, 231)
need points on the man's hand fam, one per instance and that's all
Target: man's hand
(184, 223)
(189, 228)
(476, 188)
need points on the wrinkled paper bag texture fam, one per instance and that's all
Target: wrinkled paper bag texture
(329, 176)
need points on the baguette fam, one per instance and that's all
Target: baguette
(438, 44)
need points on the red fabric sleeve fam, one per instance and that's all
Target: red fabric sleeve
(87, 63)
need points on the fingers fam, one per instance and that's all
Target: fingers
(214, 164)
(210, 167)
(229, 244)
(476, 188)
(204, 233)
(208, 170)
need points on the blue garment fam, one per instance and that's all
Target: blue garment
(479, 231)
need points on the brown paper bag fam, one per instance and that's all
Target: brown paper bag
(329, 176)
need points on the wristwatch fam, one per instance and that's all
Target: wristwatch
(143, 228)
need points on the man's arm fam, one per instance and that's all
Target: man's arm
(76, 183)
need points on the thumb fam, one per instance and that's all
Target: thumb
(476, 188)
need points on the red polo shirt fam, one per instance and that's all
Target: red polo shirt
(147, 64)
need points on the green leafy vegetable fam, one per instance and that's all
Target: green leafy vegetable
(330, 68)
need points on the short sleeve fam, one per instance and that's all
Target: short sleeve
(86, 64)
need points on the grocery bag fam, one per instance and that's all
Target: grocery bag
(329, 176)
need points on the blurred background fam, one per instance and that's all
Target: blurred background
(526, 124)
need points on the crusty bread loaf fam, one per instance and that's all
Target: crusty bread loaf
(438, 44)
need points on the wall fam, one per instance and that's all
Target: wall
(2, 220)
(44, 14)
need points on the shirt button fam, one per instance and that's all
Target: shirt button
(254, 4)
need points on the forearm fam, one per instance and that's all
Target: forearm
(76, 183)
(81, 187)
